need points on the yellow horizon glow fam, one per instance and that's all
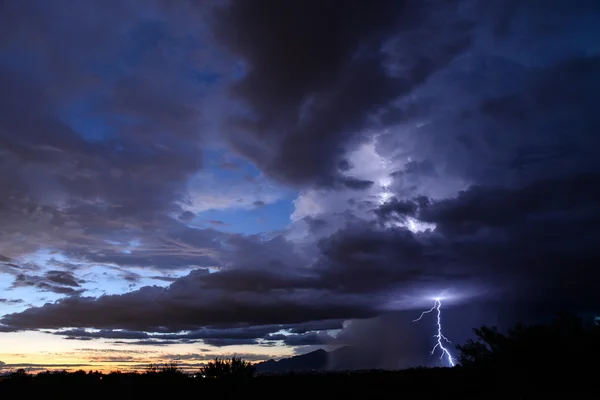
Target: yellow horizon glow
(44, 350)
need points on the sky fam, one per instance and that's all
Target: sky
(181, 180)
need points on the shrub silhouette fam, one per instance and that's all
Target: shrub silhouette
(165, 369)
(228, 368)
(164, 373)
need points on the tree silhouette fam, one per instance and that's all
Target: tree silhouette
(20, 375)
(228, 368)
(566, 341)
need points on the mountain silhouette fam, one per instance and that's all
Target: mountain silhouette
(313, 361)
(343, 358)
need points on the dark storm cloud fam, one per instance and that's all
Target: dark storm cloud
(543, 236)
(11, 301)
(395, 208)
(62, 278)
(60, 282)
(365, 259)
(220, 298)
(5, 329)
(229, 342)
(265, 285)
(316, 326)
(316, 72)
(315, 224)
(148, 342)
(248, 332)
(16, 269)
(164, 278)
(192, 302)
(233, 333)
(357, 184)
(224, 336)
(83, 334)
(98, 138)
(533, 243)
(304, 339)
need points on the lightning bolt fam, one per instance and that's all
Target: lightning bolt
(439, 336)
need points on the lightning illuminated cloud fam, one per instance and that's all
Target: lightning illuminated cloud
(439, 336)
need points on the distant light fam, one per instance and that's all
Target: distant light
(384, 197)
(412, 224)
(416, 226)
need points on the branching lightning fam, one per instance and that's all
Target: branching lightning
(439, 336)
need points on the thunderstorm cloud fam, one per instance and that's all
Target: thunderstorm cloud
(296, 173)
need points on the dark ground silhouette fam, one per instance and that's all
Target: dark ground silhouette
(522, 362)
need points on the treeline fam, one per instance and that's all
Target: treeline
(232, 369)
